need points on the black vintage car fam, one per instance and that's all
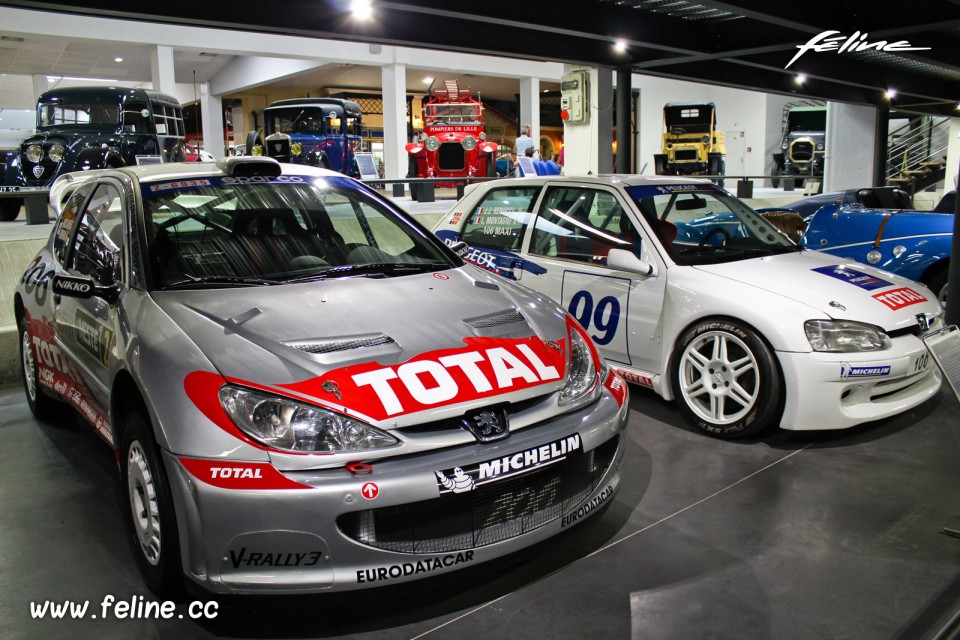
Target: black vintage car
(83, 128)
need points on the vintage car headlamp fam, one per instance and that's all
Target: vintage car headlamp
(34, 153)
(874, 256)
(257, 150)
(288, 425)
(819, 146)
(705, 139)
(845, 336)
(469, 143)
(582, 371)
(56, 153)
(784, 144)
(483, 135)
(432, 143)
(296, 148)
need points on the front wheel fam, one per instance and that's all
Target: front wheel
(10, 209)
(148, 508)
(41, 405)
(726, 379)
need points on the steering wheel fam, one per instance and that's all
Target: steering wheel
(714, 231)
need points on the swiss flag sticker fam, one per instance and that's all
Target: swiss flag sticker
(899, 298)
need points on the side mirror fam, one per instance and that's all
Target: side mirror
(460, 248)
(626, 261)
(83, 287)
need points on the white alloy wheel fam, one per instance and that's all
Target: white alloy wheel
(719, 378)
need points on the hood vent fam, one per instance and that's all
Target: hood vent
(507, 323)
(347, 343)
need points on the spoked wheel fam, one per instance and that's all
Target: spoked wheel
(726, 379)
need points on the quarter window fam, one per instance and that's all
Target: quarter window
(500, 219)
(581, 224)
(67, 222)
(99, 243)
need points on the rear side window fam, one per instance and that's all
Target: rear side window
(500, 219)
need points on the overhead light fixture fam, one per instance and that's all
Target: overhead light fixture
(891, 94)
(55, 78)
(801, 78)
(118, 59)
(620, 45)
(362, 10)
(427, 80)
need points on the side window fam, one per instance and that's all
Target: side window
(99, 244)
(136, 118)
(67, 222)
(500, 219)
(581, 224)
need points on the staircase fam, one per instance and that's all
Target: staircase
(917, 153)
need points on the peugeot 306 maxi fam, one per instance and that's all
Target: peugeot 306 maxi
(690, 292)
(306, 390)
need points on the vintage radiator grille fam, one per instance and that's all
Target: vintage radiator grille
(685, 154)
(450, 156)
(49, 166)
(801, 151)
(491, 513)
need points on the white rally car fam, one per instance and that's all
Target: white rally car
(688, 291)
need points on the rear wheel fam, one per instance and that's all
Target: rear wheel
(726, 379)
(41, 405)
(10, 208)
(148, 508)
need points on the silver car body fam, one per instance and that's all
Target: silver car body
(409, 354)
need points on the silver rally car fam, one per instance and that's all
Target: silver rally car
(306, 390)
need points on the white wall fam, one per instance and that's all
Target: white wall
(850, 140)
(738, 111)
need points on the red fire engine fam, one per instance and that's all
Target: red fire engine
(453, 143)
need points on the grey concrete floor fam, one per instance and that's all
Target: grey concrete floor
(794, 535)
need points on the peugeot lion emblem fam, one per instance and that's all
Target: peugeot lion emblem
(37, 171)
(923, 321)
(487, 425)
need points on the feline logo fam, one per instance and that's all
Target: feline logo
(827, 41)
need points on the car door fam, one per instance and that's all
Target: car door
(87, 328)
(575, 227)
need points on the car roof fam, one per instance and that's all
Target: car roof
(186, 170)
(612, 179)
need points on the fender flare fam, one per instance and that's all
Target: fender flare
(98, 158)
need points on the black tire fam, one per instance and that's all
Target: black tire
(324, 163)
(151, 522)
(660, 164)
(42, 406)
(759, 403)
(937, 283)
(10, 209)
(253, 139)
(491, 165)
(413, 191)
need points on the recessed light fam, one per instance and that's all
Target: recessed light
(891, 94)
(361, 9)
(427, 80)
(801, 78)
(118, 59)
(620, 45)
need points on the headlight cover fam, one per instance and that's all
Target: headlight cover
(288, 425)
(34, 153)
(583, 369)
(56, 153)
(469, 143)
(296, 148)
(432, 143)
(257, 150)
(845, 336)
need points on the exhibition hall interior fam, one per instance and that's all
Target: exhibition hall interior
(366, 319)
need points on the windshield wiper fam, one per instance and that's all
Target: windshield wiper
(382, 269)
(237, 281)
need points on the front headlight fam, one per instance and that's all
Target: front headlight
(296, 149)
(34, 153)
(582, 371)
(432, 143)
(56, 153)
(844, 336)
(281, 423)
(257, 150)
(469, 143)
(705, 139)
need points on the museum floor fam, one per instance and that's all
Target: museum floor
(795, 535)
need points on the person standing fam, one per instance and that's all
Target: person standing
(522, 143)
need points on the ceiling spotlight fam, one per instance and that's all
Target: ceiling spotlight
(427, 80)
(118, 59)
(801, 78)
(891, 94)
(620, 45)
(361, 9)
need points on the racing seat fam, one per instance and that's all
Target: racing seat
(788, 222)
(667, 231)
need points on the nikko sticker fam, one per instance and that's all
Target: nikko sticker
(854, 277)
(468, 477)
(899, 298)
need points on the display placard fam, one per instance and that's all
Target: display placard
(944, 345)
(526, 166)
(367, 166)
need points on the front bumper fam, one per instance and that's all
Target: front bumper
(840, 390)
(342, 531)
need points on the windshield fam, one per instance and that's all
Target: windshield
(216, 232)
(452, 113)
(83, 114)
(294, 120)
(711, 226)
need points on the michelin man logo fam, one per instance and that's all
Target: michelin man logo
(459, 483)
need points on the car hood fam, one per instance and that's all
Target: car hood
(350, 342)
(836, 287)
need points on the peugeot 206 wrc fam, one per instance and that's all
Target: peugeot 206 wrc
(306, 390)
(690, 292)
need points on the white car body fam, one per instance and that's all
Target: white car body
(639, 315)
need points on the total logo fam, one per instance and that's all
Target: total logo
(899, 298)
(239, 475)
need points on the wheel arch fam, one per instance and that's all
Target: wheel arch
(125, 398)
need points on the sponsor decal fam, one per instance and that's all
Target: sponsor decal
(835, 41)
(899, 298)
(455, 219)
(501, 263)
(180, 184)
(370, 490)
(854, 277)
(262, 180)
(441, 276)
(635, 378)
(587, 507)
(227, 474)
(92, 337)
(404, 569)
(468, 477)
(485, 367)
(617, 387)
(245, 558)
(848, 371)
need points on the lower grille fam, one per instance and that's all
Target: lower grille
(450, 157)
(491, 513)
(685, 154)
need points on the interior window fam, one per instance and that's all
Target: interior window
(99, 243)
(500, 219)
(67, 221)
(581, 224)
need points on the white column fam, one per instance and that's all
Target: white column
(236, 119)
(161, 68)
(530, 107)
(849, 146)
(40, 84)
(580, 140)
(953, 156)
(211, 121)
(394, 78)
(604, 118)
